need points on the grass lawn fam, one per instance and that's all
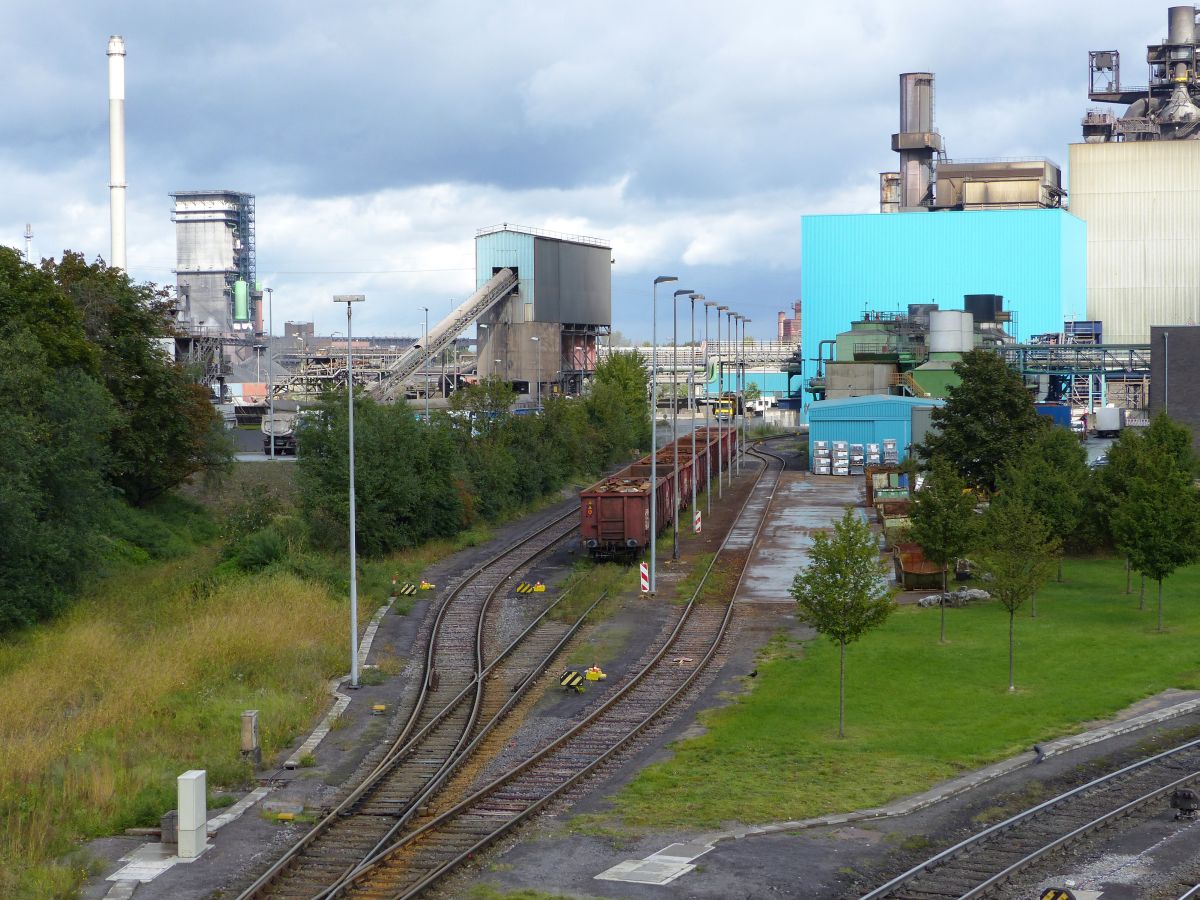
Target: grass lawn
(918, 712)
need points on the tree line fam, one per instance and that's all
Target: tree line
(478, 462)
(1004, 488)
(97, 418)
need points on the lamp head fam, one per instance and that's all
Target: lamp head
(665, 278)
(349, 298)
(711, 303)
(682, 292)
(695, 297)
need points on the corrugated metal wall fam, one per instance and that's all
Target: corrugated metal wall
(505, 249)
(865, 420)
(1141, 202)
(852, 263)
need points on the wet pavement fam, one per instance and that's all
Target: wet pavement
(802, 505)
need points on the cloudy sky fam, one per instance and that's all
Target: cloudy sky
(378, 136)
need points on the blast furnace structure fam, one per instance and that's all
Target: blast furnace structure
(1135, 181)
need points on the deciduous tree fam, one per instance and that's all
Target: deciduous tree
(943, 521)
(1157, 522)
(1017, 550)
(988, 419)
(842, 592)
(1049, 476)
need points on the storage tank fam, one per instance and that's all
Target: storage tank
(951, 331)
(944, 335)
(241, 301)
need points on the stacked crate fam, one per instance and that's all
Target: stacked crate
(841, 458)
(821, 458)
(873, 454)
(857, 457)
(891, 456)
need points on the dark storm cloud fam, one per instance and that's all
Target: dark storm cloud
(690, 133)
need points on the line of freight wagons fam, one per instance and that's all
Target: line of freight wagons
(615, 512)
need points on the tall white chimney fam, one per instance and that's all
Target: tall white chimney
(116, 148)
(28, 242)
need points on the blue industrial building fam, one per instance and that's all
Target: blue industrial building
(869, 420)
(1034, 258)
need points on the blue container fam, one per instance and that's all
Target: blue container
(1058, 413)
(865, 420)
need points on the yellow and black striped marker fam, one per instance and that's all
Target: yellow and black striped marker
(572, 681)
(524, 588)
(1057, 894)
(408, 590)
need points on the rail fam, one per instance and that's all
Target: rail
(613, 704)
(409, 733)
(975, 841)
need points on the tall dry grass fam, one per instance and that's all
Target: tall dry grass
(146, 678)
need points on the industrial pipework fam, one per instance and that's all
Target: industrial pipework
(1166, 108)
(116, 148)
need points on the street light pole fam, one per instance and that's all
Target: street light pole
(675, 418)
(721, 398)
(692, 395)
(426, 348)
(738, 401)
(537, 362)
(350, 300)
(270, 364)
(745, 385)
(661, 279)
(707, 413)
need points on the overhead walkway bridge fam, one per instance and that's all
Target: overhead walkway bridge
(391, 382)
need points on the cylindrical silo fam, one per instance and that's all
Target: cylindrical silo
(944, 333)
(966, 328)
(1181, 24)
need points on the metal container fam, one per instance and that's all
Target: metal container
(945, 331)
(1109, 421)
(966, 327)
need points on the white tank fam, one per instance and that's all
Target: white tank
(944, 333)
(966, 326)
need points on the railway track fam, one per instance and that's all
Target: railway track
(440, 841)
(982, 863)
(462, 696)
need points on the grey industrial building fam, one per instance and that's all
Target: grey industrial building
(1135, 181)
(215, 262)
(547, 331)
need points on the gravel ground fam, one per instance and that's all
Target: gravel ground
(552, 854)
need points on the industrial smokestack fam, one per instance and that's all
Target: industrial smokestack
(28, 242)
(1181, 24)
(917, 142)
(116, 148)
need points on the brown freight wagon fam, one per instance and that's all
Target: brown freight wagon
(615, 511)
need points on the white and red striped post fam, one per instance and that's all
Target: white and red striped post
(696, 522)
(645, 571)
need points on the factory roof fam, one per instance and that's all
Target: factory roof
(873, 406)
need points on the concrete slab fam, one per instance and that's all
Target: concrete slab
(803, 504)
(662, 867)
